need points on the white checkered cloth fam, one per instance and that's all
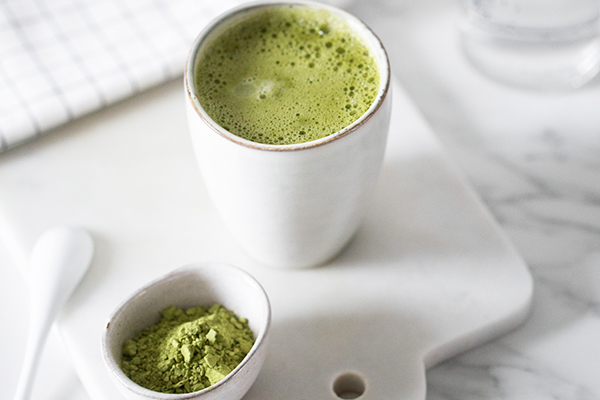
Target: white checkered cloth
(61, 59)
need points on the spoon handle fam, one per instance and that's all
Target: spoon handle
(36, 338)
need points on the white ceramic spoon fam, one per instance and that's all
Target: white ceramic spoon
(59, 259)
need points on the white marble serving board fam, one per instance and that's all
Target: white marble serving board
(428, 275)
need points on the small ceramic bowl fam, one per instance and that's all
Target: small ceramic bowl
(196, 284)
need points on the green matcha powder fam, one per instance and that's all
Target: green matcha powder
(188, 350)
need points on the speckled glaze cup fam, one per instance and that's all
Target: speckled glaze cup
(297, 205)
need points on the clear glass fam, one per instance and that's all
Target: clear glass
(538, 44)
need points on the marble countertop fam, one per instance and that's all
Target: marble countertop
(534, 159)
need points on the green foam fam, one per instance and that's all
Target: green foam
(284, 75)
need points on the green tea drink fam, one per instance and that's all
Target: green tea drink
(284, 75)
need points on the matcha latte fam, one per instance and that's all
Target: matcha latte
(286, 74)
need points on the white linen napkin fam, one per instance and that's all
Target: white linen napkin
(61, 59)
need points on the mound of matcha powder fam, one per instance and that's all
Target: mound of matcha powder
(188, 350)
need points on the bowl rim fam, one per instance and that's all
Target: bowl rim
(139, 390)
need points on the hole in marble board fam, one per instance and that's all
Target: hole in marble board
(349, 385)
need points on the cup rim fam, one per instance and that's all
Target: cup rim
(378, 47)
(260, 341)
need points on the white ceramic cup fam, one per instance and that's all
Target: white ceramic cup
(295, 205)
